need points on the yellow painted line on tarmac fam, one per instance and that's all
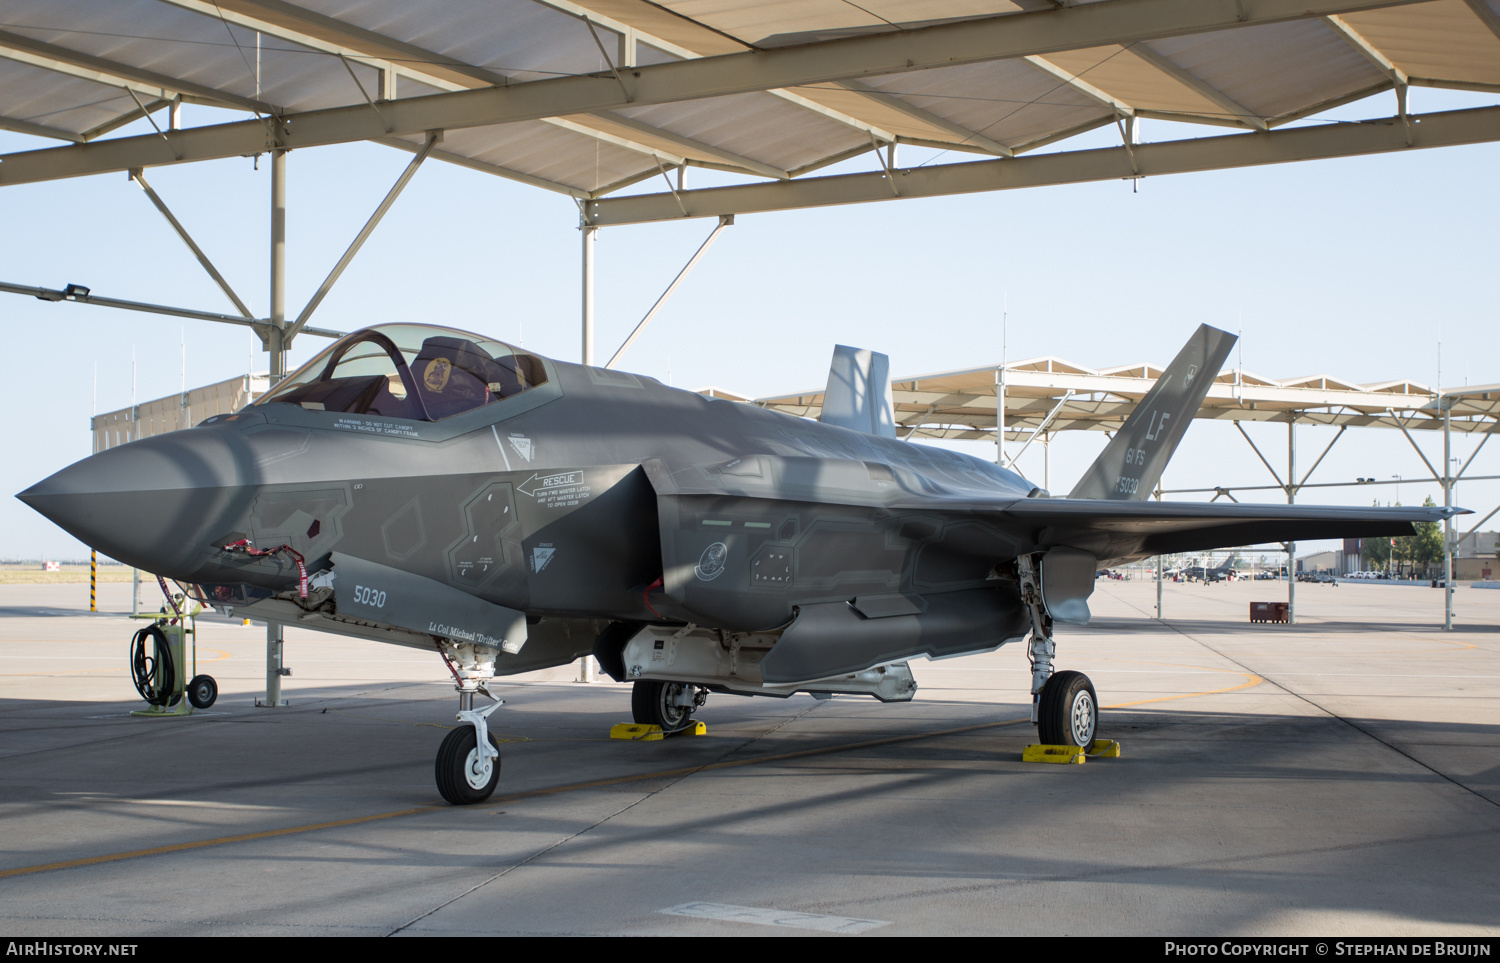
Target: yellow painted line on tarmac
(1253, 680)
(576, 787)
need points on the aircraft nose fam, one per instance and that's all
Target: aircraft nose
(155, 504)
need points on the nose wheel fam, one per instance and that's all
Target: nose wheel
(465, 775)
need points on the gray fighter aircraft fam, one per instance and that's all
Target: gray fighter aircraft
(433, 488)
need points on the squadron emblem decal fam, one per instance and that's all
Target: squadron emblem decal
(436, 375)
(711, 562)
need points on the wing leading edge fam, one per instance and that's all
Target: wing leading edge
(1120, 530)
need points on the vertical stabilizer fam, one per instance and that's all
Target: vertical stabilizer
(859, 392)
(1131, 465)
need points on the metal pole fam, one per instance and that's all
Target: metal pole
(1159, 576)
(274, 345)
(1000, 416)
(1447, 524)
(1291, 498)
(274, 669)
(586, 672)
(1047, 462)
(588, 293)
(93, 580)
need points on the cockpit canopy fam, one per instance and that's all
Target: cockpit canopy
(417, 371)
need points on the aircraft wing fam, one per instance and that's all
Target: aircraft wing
(1119, 529)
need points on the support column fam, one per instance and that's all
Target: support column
(1000, 416)
(587, 670)
(277, 349)
(1291, 498)
(1160, 577)
(274, 343)
(588, 293)
(1447, 522)
(1047, 462)
(274, 668)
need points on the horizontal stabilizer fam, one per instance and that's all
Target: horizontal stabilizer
(1132, 463)
(859, 392)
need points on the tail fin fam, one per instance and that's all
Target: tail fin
(1131, 465)
(859, 392)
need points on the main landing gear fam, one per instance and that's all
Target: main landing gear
(468, 761)
(666, 704)
(1064, 707)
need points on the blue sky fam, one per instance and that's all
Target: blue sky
(1356, 268)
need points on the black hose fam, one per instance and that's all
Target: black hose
(145, 668)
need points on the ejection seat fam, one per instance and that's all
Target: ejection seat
(454, 376)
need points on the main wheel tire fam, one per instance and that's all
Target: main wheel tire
(461, 775)
(203, 691)
(1069, 711)
(652, 703)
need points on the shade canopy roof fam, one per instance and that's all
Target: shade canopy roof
(1052, 395)
(588, 98)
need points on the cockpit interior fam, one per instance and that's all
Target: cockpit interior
(415, 371)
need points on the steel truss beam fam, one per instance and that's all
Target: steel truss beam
(82, 296)
(1451, 128)
(973, 41)
(74, 64)
(359, 240)
(686, 270)
(192, 245)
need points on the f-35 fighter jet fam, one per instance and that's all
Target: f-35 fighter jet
(434, 488)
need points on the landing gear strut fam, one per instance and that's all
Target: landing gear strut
(1064, 707)
(666, 704)
(468, 761)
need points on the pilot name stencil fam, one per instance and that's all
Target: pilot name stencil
(563, 490)
(473, 638)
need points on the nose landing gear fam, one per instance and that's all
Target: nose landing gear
(468, 762)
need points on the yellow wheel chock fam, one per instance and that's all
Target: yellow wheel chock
(1071, 755)
(641, 733)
